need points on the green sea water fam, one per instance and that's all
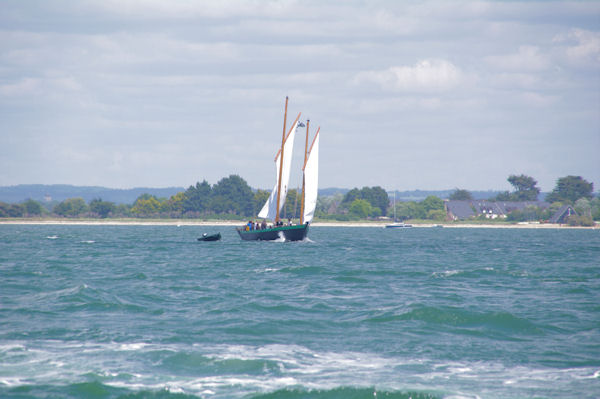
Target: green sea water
(149, 312)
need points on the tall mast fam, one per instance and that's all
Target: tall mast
(281, 160)
(394, 206)
(303, 181)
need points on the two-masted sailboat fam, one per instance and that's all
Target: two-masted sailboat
(272, 208)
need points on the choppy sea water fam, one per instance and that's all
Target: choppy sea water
(143, 311)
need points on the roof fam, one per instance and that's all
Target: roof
(467, 209)
(562, 213)
(460, 209)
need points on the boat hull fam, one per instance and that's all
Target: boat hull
(212, 237)
(290, 233)
(398, 226)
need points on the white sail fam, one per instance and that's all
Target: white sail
(311, 181)
(269, 210)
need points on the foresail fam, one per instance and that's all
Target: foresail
(311, 181)
(269, 210)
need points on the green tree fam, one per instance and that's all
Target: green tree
(569, 189)
(436, 214)
(175, 203)
(583, 207)
(404, 210)
(32, 208)
(71, 207)
(432, 203)
(101, 208)
(197, 198)
(525, 188)
(461, 195)
(350, 196)
(146, 205)
(327, 204)
(11, 210)
(360, 208)
(232, 194)
(595, 204)
(376, 196)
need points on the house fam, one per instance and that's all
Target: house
(562, 214)
(458, 210)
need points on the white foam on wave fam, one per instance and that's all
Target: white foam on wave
(446, 273)
(52, 237)
(87, 242)
(133, 346)
(127, 365)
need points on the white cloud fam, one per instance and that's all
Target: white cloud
(537, 99)
(527, 58)
(583, 46)
(425, 75)
(134, 73)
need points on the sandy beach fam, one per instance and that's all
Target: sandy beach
(187, 222)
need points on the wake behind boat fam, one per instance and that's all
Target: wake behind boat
(271, 210)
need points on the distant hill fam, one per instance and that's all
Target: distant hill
(414, 195)
(60, 192)
(419, 195)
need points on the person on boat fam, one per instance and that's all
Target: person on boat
(264, 224)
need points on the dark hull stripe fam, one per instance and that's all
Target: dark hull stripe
(290, 233)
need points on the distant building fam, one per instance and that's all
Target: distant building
(47, 198)
(461, 210)
(563, 214)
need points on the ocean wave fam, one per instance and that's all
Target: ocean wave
(236, 371)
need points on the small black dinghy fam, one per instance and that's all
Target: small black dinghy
(210, 237)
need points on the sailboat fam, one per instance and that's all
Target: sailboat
(272, 208)
(396, 224)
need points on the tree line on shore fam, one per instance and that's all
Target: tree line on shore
(232, 198)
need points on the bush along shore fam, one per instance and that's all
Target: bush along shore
(231, 200)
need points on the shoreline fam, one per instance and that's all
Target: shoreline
(187, 222)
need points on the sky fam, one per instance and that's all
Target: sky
(408, 94)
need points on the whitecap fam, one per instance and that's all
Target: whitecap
(11, 382)
(133, 346)
(52, 237)
(446, 273)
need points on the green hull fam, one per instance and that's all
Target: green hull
(289, 233)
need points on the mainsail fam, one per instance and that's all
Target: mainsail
(311, 181)
(269, 210)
